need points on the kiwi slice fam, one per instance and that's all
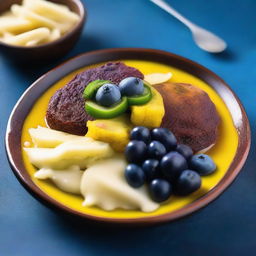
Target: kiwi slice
(98, 111)
(91, 89)
(142, 99)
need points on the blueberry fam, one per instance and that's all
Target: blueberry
(165, 136)
(108, 94)
(151, 169)
(136, 151)
(131, 86)
(188, 182)
(134, 175)
(156, 149)
(184, 150)
(140, 133)
(160, 190)
(172, 164)
(203, 164)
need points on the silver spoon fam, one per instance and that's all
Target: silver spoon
(202, 37)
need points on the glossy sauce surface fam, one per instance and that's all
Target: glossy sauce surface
(222, 153)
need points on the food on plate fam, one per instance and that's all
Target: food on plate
(103, 184)
(157, 78)
(188, 182)
(36, 22)
(156, 128)
(131, 86)
(114, 131)
(189, 114)
(67, 180)
(184, 150)
(66, 110)
(106, 100)
(134, 175)
(141, 99)
(43, 137)
(156, 150)
(203, 164)
(149, 114)
(108, 95)
(97, 111)
(162, 167)
(140, 133)
(75, 152)
(151, 169)
(136, 151)
(160, 190)
(166, 137)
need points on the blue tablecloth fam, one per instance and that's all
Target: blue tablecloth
(228, 225)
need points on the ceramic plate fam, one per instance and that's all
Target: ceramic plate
(234, 134)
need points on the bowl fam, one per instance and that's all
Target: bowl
(235, 111)
(51, 50)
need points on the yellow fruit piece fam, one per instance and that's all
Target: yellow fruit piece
(75, 152)
(114, 131)
(43, 137)
(149, 114)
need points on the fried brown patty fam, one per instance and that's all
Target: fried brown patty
(66, 107)
(189, 114)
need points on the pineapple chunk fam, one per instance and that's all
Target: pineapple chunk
(77, 152)
(149, 114)
(43, 137)
(113, 131)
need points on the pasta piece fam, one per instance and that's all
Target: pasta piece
(52, 11)
(59, 6)
(23, 39)
(55, 34)
(38, 19)
(15, 25)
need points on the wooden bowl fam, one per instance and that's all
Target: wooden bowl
(48, 51)
(25, 103)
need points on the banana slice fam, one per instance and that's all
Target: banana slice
(77, 152)
(103, 184)
(67, 180)
(158, 78)
(43, 137)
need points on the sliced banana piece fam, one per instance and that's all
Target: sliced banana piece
(67, 180)
(43, 137)
(103, 185)
(77, 152)
(158, 78)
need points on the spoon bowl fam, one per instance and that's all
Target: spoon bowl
(207, 41)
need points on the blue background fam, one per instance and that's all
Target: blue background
(225, 227)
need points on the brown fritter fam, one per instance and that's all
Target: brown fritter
(189, 114)
(66, 107)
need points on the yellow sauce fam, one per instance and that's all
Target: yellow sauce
(222, 153)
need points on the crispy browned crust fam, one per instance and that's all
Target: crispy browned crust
(189, 114)
(66, 107)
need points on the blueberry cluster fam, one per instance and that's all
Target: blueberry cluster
(109, 94)
(168, 168)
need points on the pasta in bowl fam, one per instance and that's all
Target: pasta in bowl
(34, 30)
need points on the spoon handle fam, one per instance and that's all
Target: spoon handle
(162, 4)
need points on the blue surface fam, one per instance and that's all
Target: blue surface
(225, 227)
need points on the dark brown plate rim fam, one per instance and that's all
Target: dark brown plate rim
(25, 103)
